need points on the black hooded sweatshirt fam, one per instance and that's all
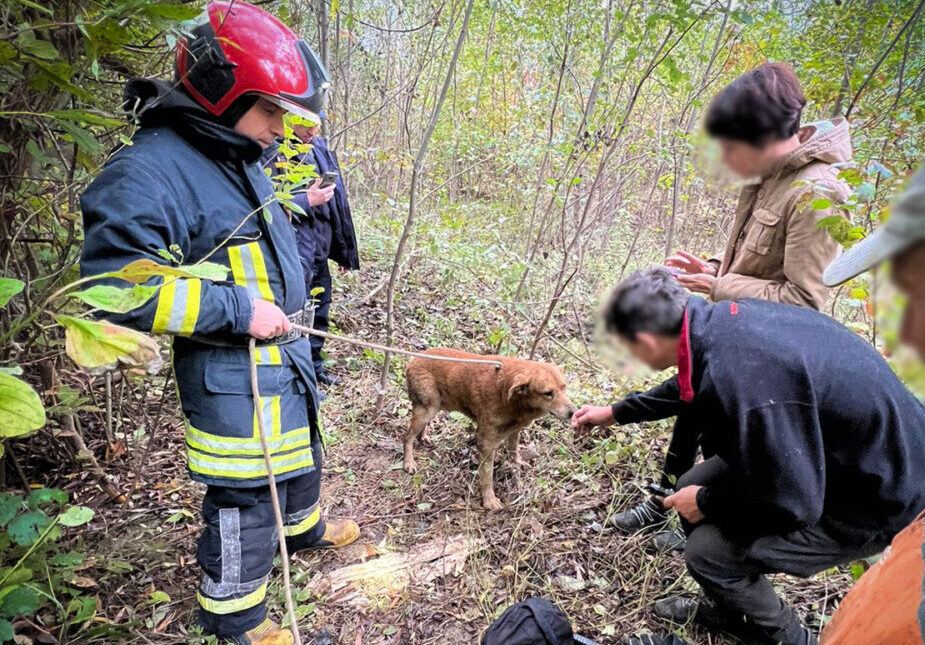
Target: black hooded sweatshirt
(814, 425)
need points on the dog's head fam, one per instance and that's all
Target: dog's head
(541, 386)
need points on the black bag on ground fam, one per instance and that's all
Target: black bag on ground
(532, 622)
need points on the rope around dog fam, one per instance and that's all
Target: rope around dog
(393, 350)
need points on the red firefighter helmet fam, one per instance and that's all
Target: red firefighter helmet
(237, 49)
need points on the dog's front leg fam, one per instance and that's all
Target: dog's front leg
(487, 450)
(513, 446)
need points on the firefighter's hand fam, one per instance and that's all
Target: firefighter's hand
(688, 263)
(269, 320)
(685, 503)
(590, 416)
(318, 196)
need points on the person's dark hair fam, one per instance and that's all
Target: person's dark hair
(762, 105)
(651, 300)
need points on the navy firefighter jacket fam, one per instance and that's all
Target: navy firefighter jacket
(191, 187)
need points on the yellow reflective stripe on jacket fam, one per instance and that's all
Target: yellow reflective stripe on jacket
(246, 467)
(232, 446)
(250, 271)
(236, 604)
(272, 417)
(269, 355)
(305, 525)
(177, 307)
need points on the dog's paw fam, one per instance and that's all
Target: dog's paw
(492, 503)
(410, 467)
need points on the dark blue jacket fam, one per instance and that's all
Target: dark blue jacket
(191, 187)
(813, 423)
(328, 230)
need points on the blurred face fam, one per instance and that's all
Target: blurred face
(305, 133)
(909, 277)
(744, 159)
(658, 352)
(262, 123)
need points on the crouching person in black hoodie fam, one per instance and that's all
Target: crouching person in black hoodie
(819, 448)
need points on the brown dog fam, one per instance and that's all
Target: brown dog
(502, 402)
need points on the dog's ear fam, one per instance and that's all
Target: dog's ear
(520, 383)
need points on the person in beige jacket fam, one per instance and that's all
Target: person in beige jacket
(776, 251)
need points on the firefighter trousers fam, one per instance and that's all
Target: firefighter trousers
(239, 542)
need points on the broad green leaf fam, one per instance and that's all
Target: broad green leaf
(6, 631)
(820, 204)
(15, 576)
(69, 559)
(96, 344)
(116, 299)
(81, 136)
(46, 496)
(21, 409)
(9, 287)
(25, 529)
(207, 271)
(76, 516)
(21, 601)
(9, 504)
(29, 44)
(143, 270)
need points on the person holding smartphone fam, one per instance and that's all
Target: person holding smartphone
(325, 233)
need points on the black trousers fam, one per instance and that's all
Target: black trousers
(239, 542)
(682, 449)
(731, 570)
(321, 278)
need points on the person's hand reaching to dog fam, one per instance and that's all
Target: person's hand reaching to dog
(590, 416)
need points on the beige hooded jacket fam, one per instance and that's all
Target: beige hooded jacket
(775, 250)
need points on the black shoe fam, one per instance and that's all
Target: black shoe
(670, 541)
(680, 610)
(326, 378)
(646, 517)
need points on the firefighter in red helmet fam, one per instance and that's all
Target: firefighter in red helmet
(190, 187)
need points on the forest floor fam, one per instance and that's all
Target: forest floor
(437, 568)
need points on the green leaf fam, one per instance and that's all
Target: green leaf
(21, 601)
(81, 136)
(21, 409)
(30, 45)
(857, 570)
(25, 529)
(820, 204)
(158, 597)
(118, 300)
(69, 559)
(207, 271)
(9, 504)
(100, 344)
(6, 631)
(42, 496)
(76, 516)
(172, 11)
(9, 287)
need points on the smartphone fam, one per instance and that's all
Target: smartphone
(328, 178)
